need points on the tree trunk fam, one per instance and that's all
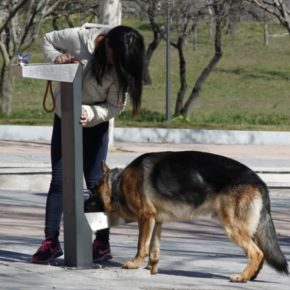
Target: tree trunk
(69, 21)
(266, 33)
(149, 52)
(195, 38)
(147, 80)
(6, 91)
(54, 23)
(210, 22)
(182, 77)
(6, 81)
(111, 12)
(206, 72)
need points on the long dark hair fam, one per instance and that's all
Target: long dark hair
(128, 48)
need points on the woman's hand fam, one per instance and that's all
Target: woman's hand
(66, 58)
(84, 117)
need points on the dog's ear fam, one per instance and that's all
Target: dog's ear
(105, 168)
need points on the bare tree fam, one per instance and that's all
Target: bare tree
(279, 8)
(87, 11)
(20, 23)
(224, 13)
(185, 19)
(218, 9)
(155, 17)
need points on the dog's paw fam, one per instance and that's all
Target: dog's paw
(153, 268)
(238, 279)
(130, 265)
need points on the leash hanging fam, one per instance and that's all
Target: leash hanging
(44, 105)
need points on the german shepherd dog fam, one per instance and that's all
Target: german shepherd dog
(175, 186)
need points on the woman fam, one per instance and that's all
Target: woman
(112, 60)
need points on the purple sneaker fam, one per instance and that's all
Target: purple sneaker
(101, 252)
(48, 251)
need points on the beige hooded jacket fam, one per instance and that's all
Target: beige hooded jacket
(101, 102)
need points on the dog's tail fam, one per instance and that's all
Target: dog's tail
(267, 241)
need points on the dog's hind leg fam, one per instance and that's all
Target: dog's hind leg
(254, 255)
(154, 251)
(240, 218)
(146, 226)
(238, 231)
(260, 267)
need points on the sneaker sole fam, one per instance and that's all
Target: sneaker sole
(47, 261)
(103, 258)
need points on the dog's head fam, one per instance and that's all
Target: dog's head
(106, 188)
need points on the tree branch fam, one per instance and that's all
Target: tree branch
(11, 14)
(276, 8)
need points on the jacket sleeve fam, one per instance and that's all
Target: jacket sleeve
(62, 41)
(110, 108)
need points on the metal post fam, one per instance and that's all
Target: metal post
(77, 233)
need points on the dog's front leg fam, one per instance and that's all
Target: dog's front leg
(154, 252)
(146, 226)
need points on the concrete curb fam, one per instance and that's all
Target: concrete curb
(36, 176)
(159, 135)
(194, 136)
(25, 133)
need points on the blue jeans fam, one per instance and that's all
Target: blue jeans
(95, 148)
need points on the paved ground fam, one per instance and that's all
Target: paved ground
(194, 255)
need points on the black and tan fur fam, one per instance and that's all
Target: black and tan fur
(176, 186)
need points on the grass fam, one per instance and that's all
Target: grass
(249, 88)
